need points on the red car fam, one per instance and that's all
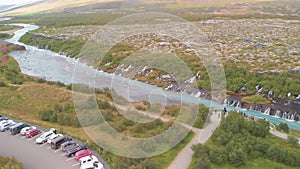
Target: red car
(82, 153)
(32, 133)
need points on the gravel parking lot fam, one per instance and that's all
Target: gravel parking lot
(35, 156)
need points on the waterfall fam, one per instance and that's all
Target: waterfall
(225, 101)
(238, 104)
(267, 111)
(234, 102)
(284, 116)
(198, 94)
(292, 117)
(277, 113)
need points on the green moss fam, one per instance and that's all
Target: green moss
(256, 99)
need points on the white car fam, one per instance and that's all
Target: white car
(6, 126)
(90, 162)
(43, 138)
(52, 137)
(25, 129)
(4, 122)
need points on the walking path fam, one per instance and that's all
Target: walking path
(281, 135)
(184, 158)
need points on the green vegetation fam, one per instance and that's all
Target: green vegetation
(8, 27)
(240, 142)
(256, 164)
(10, 163)
(281, 83)
(5, 36)
(71, 47)
(158, 162)
(47, 104)
(62, 19)
(293, 140)
(255, 99)
(63, 115)
(9, 68)
(284, 127)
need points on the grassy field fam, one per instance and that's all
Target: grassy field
(55, 5)
(8, 27)
(252, 164)
(23, 102)
(10, 163)
(167, 4)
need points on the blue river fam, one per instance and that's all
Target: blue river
(55, 67)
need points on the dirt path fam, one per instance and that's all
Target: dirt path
(281, 135)
(184, 158)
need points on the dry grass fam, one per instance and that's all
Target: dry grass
(23, 102)
(198, 3)
(55, 5)
(170, 4)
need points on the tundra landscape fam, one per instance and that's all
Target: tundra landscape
(136, 84)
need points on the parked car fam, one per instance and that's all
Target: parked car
(3, 118)
(66, 145)
(52, 137)
(25, 129)
(83, 153)
(6, 126)
(57, 142)
(32, 133)
(17, 128)
(88, 159)
(73, 149)
(3, 122)
(92, 165)
(43, 138)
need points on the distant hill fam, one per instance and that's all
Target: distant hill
(54, 5)
(5, 7)
(202, 6)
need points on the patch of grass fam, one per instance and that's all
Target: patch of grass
(6, 162)
(71, 47)
(5, 36)
(255, 99)
(256, 164)
(8, 27)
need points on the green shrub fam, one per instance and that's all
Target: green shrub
(284, 127)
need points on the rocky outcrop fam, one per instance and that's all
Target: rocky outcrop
(295, 70)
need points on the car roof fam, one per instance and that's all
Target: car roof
(46, 133)
(71, 146)
(90, 165)
(88, 157)
(75, 148)
(68, 142)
